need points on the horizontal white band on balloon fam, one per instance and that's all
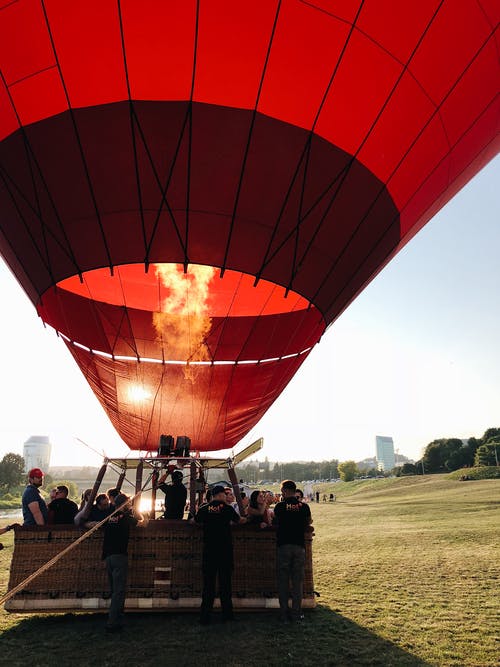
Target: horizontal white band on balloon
(149, 360)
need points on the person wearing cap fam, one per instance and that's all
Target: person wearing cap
(175, 495)
(35, 511)
(292, 518)
(115, 554)
(216, 518)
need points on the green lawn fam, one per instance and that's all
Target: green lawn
(408, 572)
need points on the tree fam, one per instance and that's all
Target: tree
(347, 470)
(408, 469)
(488, 454)
(444, 454)
(420, 467)
(472, 445)
(11, 471)
(490, 433)
(460, 458)
(433, 456)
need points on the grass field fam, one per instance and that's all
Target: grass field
(408, 572)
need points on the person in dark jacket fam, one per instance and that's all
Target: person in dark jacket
(216, 518)
(62, 510)
(115, 553)
(175, 495)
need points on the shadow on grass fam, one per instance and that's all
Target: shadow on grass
(324, 638)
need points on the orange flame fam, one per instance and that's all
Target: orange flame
(184, 324)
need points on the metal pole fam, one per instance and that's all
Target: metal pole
(138, 484)
(154, 482)
(192, 489)
(236, 488)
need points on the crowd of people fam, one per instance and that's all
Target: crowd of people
(288, 513)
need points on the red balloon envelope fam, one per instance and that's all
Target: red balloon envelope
(190, 192)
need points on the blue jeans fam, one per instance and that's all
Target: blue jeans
(290, 562)
(117, 566)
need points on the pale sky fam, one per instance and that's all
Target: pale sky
(415, 357)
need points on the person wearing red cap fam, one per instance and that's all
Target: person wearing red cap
(35, 511)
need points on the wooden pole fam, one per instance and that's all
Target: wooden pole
(121, 479)
(93, 494)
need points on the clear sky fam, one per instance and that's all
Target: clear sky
(415, 357)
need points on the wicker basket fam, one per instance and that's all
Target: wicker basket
(164, 569)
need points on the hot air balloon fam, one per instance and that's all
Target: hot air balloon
(191, 192)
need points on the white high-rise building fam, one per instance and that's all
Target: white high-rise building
(385, 452)
(36, 453)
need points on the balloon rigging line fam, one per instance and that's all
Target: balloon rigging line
(132, 130)
(89, 447)
(249, 139)
(346, 170)
(391, 176)
(305, 154)
(78, 139)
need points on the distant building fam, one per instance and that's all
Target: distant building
(36, 453)
(367, 464)
(385, 452)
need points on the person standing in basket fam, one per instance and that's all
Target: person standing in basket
(35, 512)
(216, 518)
(62, 510)
(292, 517)
(115, 553)
(175, 495)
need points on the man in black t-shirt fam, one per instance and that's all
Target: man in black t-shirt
(216, 518)
(292, 517)
(175, 495)
(115, 553)
(62, 510)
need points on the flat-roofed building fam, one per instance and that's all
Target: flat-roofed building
(385, 452)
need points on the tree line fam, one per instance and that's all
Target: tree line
(259, 471)
(441, 455)
(448, 454)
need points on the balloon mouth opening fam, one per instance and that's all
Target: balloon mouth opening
(171, 316)
(166, 289)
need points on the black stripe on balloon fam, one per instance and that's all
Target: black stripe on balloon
(249, 139)
(78, 139)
